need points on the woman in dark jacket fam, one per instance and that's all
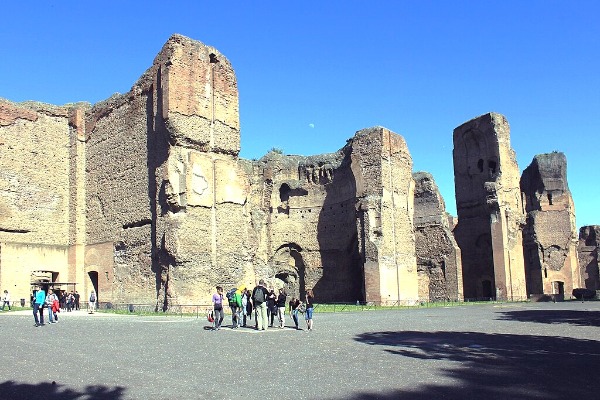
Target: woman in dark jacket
(280, 303)
(271, 308)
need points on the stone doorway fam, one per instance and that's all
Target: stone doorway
(94, 281)
(289, 264)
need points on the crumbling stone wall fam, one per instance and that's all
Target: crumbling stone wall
(304, 207)
(34, 173)
(438, 255)
(587, 251)
(549, 239)
(38, 154)
(165, 170)
(382, 167)
(490, 211)
(322, 222)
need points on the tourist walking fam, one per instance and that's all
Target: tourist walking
(295, 307)
(6, 300)
(235, 303)
(280, 303)
(259, 298)
(52, 304)
(271, 307)
(70, 301)
(217, 300)
(92, 302)
(244, 305)
(309, 309)
(249, 307)
(39, 298)
(76, 296)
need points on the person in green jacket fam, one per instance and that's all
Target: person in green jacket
(235, 303)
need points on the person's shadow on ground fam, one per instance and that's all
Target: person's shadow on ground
(11, 390)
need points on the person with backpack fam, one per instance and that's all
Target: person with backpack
(235, 303)
(259, 298)
(217, 300)
(92, 303)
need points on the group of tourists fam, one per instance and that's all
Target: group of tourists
(264, 303)
(55, 301)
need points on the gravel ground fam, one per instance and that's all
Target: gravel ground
(496, 351)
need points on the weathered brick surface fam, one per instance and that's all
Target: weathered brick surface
(438, 255)
(143, 198)
(490, 213)
(550, 237)
(587, 251)
(34, 173)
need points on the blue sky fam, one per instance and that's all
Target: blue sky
(312, 73)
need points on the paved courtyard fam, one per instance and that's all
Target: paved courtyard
(496, 351)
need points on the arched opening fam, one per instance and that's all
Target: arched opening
(94, 280)
(289, 264)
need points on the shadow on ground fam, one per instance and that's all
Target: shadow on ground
(493, 366)
(11, 390)
(572, 317)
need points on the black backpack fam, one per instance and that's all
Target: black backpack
(231, 297)
(258, 296)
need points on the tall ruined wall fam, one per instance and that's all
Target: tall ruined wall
(382, 167)
(341, 223)
(304, 207)
(587, 251)
(34, 173)
(490, 212)
(165, 185)
(38, 157)
(550, 241)
(438, 255)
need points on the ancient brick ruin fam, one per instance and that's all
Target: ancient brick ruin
(490, 212)
(143, 197)
(589, 243)
(550, 241)
(438, 255)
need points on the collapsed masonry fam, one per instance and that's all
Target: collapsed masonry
(438, 256)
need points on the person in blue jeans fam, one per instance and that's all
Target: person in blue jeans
(38, 306)
(309, 309)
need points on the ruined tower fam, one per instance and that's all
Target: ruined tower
(382, 166)
(587, 250)
(438, 255)
(489, 207)
(550, 235)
